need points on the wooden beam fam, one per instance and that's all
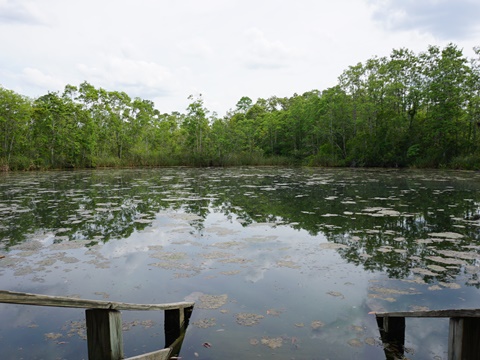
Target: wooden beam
(464, 338)
(104, 334)
(432, 313)
(163, 354)
(20, 298)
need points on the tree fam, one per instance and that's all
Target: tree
(196, 127)
(15, 112)
(141, 132)
(446, 73)
(473, 107)
(118, 106)
(244, 104)
(87, 127)
(334, 129)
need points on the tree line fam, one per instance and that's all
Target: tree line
(407, 109)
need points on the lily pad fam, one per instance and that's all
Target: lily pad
(336, 294)
(254, 342)
(287, 264)
(169, 255)
(354, 343)
(436, 268)
(317, 324)
(450, 285)
(274, 312)
(357, 328)
(211, 302)
(53, 336)
(382, 297)
(228, 244)
(247, 319)
(272, 343)
(448, 260)
(423, 272)
(447, 235)
(384, 290)
(333, 246)
(216, 255)
(230, 273)
(205, 323)
(459, 254)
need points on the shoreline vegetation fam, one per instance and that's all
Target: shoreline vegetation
(405, 110)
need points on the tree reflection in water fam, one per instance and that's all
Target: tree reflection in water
(420, 227)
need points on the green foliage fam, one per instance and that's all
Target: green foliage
(413, 152)
(468, 162)
(407, 109)
(15, 112)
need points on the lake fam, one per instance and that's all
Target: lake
(283, 263)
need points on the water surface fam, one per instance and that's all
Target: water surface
(282, 263)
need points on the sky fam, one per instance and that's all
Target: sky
(166, 50)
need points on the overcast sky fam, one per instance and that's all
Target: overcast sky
(165, 50)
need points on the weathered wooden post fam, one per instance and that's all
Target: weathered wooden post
(392, 333)
(464, 338)
(104, 334)
(176, 320)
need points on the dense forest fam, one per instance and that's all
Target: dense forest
(417, 110)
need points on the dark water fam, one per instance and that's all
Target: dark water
(282, 263)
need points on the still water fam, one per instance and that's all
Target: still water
(283, 263)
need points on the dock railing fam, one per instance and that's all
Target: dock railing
(463, 335)
(104, 323)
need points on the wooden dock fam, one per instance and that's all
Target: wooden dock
(104, 323)
(463, 337)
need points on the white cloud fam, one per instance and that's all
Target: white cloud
(197, 47)
(262, 53)
(445, 19)
(138, 76)
(38, 79)
(20, 12)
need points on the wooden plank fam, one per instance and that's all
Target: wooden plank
(104, 334)
(392, 333)
(463, 339)
(432, 313)
(20, 298)
(163, 354)
(173, 325)
(176, 321)
(455, 335)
